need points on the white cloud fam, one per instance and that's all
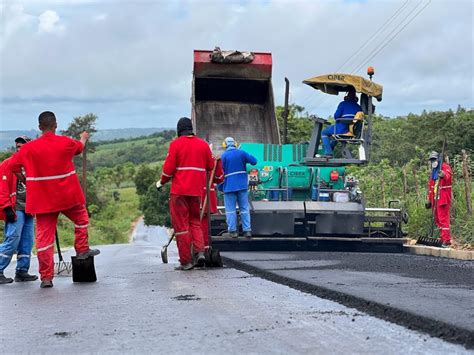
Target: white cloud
(100, 17)
(14, 19)
(139, 53)
(49, 22)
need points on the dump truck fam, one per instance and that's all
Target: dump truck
(299, 199)
(234, 99)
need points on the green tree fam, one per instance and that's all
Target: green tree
(118, 175)
(155, 206)
(300, 125)
(81, 124)
(145, 177)
(75, 128)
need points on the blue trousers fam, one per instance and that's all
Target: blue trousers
(231, 199)
(18, 238)
(328, 144)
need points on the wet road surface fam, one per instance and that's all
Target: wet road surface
(140, 305)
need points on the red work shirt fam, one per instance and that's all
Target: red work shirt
(51, 179)
(188, 159)
(218, 178)
(7, 188)
(445, 188)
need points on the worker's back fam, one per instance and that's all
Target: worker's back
(234, 162)
(51, 179)
(188, 160)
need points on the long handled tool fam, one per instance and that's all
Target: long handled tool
(213, 256)
(208, 190)
(61, 268)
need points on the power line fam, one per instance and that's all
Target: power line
(377, 51)
(378, 48)
(380, 30)
(375, 34)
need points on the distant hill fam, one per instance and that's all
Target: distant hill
(7, 137)
(123, 133)
(144, 149)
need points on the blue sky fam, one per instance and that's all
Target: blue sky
(130, 62)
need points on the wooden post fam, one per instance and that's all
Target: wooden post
(382, 185)
(417, 188)
(467, 182)
(405, 183)
(84, 170)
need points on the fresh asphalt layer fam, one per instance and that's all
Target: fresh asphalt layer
(430, 294)
(139, 305)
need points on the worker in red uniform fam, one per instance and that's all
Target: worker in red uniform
(217, 179)
(440, 195)
(53, 187)
(188, 160)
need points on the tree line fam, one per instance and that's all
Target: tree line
(397, 170)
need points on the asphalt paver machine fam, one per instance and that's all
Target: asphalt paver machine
(300, 200)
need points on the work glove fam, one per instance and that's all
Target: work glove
(159, 185)
(10, 216)
(428, 205)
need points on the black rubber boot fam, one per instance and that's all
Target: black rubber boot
(24, 276)
(5, 280)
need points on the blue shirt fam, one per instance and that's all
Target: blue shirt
(344, 114)
(234, 162)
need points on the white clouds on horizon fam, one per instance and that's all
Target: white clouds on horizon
(142, 51)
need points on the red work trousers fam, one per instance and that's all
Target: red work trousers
(46, 231)
(442, 221)
(184, 212)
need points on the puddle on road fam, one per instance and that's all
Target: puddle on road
(63, 334)
(186, 298)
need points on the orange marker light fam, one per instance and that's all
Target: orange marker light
(370, 71)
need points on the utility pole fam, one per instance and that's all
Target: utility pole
(84, 170)
(467, 182)
(286, 112)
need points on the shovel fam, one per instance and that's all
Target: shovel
(164, 249)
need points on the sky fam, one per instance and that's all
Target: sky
(130, 62)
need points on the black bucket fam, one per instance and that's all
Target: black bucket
(213, 257)
(83, 270)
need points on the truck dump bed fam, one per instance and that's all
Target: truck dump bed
(234, 100)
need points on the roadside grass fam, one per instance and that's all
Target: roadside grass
(112, 225)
